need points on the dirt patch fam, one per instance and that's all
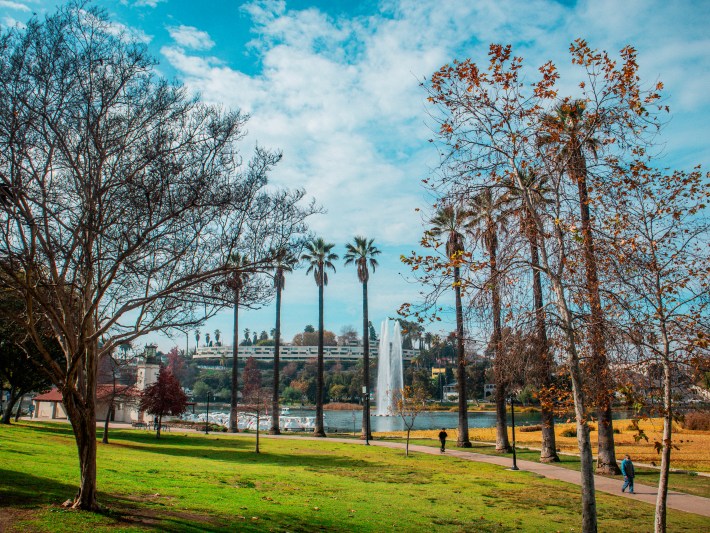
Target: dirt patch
(123, 510)
(10, 516)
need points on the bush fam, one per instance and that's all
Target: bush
(569, 432)
(530, 429)
(697, 420)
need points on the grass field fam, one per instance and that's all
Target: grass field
(193, 482)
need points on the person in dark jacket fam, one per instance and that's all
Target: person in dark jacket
(442, 439)
(627, 470)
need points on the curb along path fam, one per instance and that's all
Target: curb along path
(645, 493)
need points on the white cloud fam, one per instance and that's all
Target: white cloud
(9, 22)
(191, 37)
(145, 3)
(17, 6)
(341, 97)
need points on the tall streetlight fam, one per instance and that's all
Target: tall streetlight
(512, 423)
(207, 417)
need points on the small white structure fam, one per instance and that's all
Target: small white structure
(451, 392)
(49, 405)
(126, 398)
(489, 391)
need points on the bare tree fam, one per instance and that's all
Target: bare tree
(662, 280)
(407, 403)
(490, 125)
(122, 198)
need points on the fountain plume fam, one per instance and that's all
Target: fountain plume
(389, 366)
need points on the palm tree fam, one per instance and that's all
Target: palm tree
(320, 258)
(452, 220)
(486, 219)
(362, 252)
(239, 276)
(569, 136)
(535, 187)
(284, 261)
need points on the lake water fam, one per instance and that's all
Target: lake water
(345, 421)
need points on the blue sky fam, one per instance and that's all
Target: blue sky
(335, 85)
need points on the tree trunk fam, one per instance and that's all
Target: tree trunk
(606, 455)
(589, 502)
(662, 497)
(275, 429)
(258, 413)
(12, 400)
(406, 453)
(319, 430)
(548, 449)
(589, 505)
(366, 431)
(502, 442)
(160, 423)
(233, 400)
(19, 407)
(462, 441)
(104, 437)
(82, 415)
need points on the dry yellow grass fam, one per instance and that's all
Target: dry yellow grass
(693, 452)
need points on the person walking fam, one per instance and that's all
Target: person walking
(627, 470)
(442, 439)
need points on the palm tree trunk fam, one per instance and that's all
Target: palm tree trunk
(548, 450)
(233, 403)
(502, 442)
(275, 430)
(366, 433)
(462, 440)
(319, 430)
(599, 368)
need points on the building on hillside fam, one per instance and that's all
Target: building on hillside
(451, 392)
(489, 391)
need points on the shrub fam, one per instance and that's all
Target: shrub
(569, 432)
(697, 420)
(530, 429)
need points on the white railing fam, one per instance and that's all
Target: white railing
(292, 353)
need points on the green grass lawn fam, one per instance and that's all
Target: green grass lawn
(193, 482)
(682, 482)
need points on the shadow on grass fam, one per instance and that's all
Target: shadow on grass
(19, 489)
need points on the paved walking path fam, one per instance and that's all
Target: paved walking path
(645, 493)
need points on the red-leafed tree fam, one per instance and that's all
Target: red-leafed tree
(164, 397)
(252, 376)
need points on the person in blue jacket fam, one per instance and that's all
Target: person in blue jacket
(627, 470)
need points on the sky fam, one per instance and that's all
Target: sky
(335, 85)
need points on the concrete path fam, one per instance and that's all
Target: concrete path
(676, 500)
